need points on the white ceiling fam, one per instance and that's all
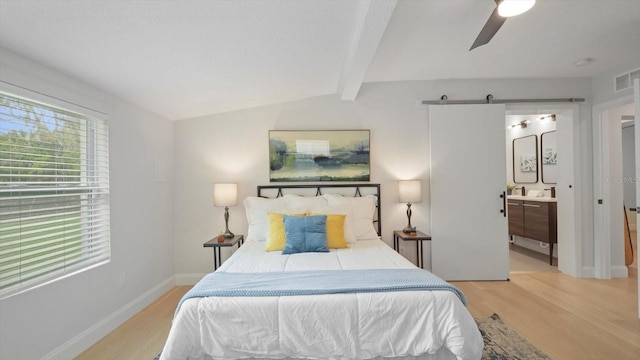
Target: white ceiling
(188, 58)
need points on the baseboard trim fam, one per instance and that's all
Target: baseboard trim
(90, 336)
(188, 278)
(588, 272)
(619, 271)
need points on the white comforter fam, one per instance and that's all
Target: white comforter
(423, 324)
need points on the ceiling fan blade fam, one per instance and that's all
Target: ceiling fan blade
(490, 29)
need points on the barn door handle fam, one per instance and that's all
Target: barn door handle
(504, 204)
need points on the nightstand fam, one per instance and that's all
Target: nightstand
(213, 243)
(419, 237)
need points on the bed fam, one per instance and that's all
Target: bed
(359, 300)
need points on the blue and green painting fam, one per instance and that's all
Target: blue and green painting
(311, 156)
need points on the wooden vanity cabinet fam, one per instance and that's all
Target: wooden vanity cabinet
(535, 220)
(540, 221)
(516, 217)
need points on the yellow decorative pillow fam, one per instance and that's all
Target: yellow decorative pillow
(276, 237)
(335, 231)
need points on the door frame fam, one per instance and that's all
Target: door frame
(602, 244)
(571, 258)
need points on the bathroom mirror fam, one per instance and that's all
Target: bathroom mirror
(549, 157)
(525, 159)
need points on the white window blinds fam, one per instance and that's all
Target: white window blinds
(54, 193)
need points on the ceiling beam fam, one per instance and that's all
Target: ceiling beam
(374, 18)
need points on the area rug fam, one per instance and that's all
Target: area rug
(500, 342)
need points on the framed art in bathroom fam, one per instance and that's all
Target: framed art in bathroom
(319, 155)
(525, 159)
(549, 156)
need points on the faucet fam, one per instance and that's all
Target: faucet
(553, 191)
(523, 191)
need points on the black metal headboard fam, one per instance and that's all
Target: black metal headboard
(275, 191)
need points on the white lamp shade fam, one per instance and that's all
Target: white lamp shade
(225, 194)
(410, 191)
(508, 8)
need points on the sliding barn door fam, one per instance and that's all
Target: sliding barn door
(468, 175)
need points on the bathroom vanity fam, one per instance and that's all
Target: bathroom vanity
(534, 218)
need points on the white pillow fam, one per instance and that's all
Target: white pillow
(256, 209)
(340, 210)
(308, 203)
(362, 209)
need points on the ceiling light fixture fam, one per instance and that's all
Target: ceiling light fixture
(508, 8)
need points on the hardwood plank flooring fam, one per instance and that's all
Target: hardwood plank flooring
(567, 318)
(522, 259)
(141, 337)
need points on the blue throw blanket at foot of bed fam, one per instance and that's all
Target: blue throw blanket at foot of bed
(296, 283)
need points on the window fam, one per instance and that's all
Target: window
(54, 191)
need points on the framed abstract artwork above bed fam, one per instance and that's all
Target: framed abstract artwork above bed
(319, 155)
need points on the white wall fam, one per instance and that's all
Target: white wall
(61, 319)
(234, 147)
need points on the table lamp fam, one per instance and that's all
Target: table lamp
(409, 191)
(225, 195)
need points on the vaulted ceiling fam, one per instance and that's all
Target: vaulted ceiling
(189, 58)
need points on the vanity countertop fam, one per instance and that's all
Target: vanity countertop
(532, 198)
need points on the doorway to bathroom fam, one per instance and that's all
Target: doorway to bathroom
(540, 175)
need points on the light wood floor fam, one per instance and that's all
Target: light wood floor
(567, 318)
(522, 259)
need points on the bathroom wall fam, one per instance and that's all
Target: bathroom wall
(534, 127)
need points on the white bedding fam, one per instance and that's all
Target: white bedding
(411, 324)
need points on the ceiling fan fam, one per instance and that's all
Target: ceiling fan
(503, 10)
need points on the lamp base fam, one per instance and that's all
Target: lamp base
(408, 229)
(227, 234)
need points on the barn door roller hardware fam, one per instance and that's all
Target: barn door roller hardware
(444, 100)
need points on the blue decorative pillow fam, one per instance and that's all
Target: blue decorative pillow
(294, 234)
(315, 233)
(305, 234)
